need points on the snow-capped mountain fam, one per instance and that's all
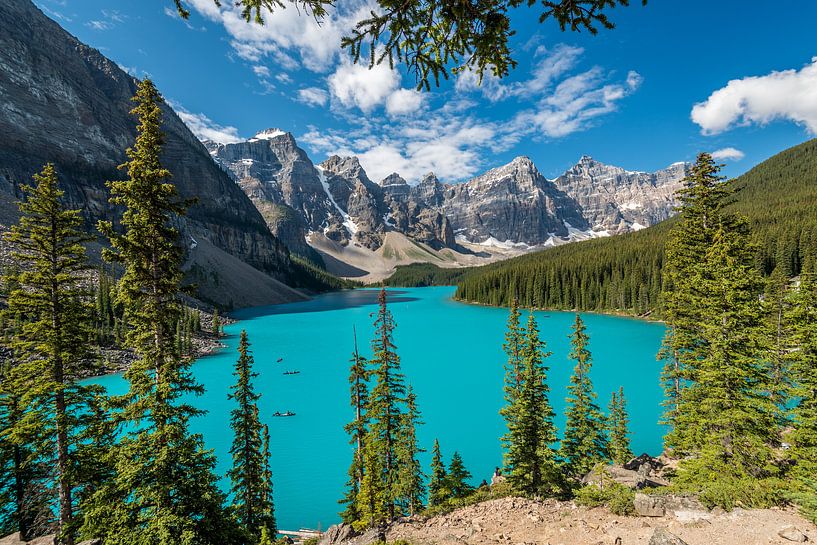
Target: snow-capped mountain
(513, 207)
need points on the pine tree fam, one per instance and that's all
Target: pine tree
(357, 429)
(458, 477)
(620, 451)
(164, 489)
(216, 323)
(702, 201)
(411, 487)
(514, 369)
(775, 305)
(530, 461)
(24, 491)
(270, 525)
(250, 490)
(438, 492)
(726, 412)
(380, 486)
(802, 317)
(585, 442)
(51, 344)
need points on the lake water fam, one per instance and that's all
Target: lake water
(452, 355)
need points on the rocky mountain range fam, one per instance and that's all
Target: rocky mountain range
(64, 102)
(513, 207)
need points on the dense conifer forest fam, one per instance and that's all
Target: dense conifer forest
(623, 273)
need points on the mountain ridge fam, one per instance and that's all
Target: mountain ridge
(506, 210)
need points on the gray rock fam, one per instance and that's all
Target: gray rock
(791, 533)
(616, 200)
(64, 102)
(336, 534)
(663, 537)
(647, 505)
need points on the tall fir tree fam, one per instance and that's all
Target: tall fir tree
(438, 492)
(514, 369)
(251, 491)
(411, 479)
(530, 460)
(702, 200)
(380, 486)
(164, 489)
(776, 303)
(618, 427)
(585, 442)
(357, 429)
(726, 414)
(458, 477)
(51, 344)
(802, 317)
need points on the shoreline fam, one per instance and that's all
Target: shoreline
(614, 314)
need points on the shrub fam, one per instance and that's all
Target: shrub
(730, 492)
(618, 498)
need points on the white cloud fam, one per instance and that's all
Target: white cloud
(261, 71)
(355, 85)
(207, 129)
(788, 94)
(403, 102)
(728, 154)
(454, 139)
(313, 96)
(288, 33)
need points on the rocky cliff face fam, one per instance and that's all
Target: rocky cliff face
(513, 206)
(615, 200)
(513, 203)
(64, 102)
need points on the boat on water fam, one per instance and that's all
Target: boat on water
(292, 372)
(286, 413)
(279, 360)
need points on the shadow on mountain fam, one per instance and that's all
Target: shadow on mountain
(327, 302)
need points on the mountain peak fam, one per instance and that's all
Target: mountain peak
(267, 134)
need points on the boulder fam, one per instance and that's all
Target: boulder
(662, 537)
(792, 533)
(647, 505)
(337, 534)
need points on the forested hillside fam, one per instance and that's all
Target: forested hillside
(623, 273)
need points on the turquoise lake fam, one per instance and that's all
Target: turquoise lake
(451, 354)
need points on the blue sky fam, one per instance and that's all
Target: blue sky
(674, 78)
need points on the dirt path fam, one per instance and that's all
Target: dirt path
(515, 521)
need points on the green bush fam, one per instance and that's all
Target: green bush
(618, 498)
(728, 493)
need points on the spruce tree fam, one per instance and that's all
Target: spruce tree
(458, 477)
(250, 490)
(514, 369)
(726, 412)
(381, 484)
(357, 429)
(620, 451)
(51, 342)
(775, 303)
(164, 489)
(530, 461)
(438, 492)
(702, 200)
(411, 487)
(802, 317)
(585, 442)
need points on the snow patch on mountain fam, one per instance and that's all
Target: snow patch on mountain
(350, 225)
